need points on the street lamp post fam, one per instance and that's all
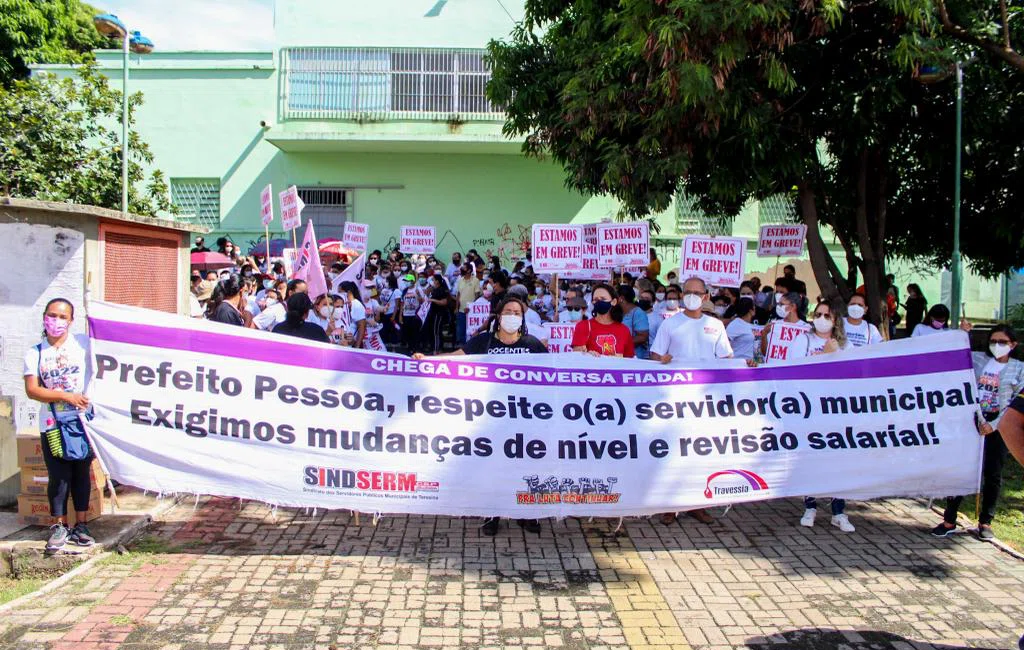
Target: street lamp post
(111, 26)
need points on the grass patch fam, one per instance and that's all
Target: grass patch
(1009, 522)
(145, 550)
(121, 619)
(12, 588)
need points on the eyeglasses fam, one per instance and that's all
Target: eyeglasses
(1001, 341)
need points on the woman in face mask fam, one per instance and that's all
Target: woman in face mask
(935, 321)
(604, 334)
(826, 337)
(56, 371)
(1000, 378)
(859, 332)
(322, 313)
(507, 336)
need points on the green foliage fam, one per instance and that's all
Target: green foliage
(732, 101)
(60, 141)
(45, 31)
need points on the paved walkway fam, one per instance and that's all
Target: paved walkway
(226, 578)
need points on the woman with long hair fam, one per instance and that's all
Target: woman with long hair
(227, 302)
(604, 334)
(353, 315)
(914, 307)
(507, 335)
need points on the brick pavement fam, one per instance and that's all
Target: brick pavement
(230, 578)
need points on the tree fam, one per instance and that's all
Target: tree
(986, 26)
(731, 101)
(60, 141)
(45, 31)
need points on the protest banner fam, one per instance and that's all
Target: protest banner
(590, 270)
(354, 272)
(192, 406)
(291, 211)
(716, 260)
(356, 236)
(558, 336)
(623, 244)
(781, 240)
(479, 311)
(556, 248)
(417, 240)
(267, 214)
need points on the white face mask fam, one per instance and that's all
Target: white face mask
(999, 349)
(856, 311)
(719, 311)
(692, 302)
(325, 311)
(781, 310)
(271, 302)
(779, 296)
(823, 325)
(672, 305)
(575, 315)
(539, 291)
(659, 296)
(510, 323)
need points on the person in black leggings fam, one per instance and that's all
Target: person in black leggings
(55, 374)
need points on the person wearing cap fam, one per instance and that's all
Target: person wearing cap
(533, 319)
(200, 246)
(696, 336)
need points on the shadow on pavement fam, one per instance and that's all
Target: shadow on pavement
(818, 639)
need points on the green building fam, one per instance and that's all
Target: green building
(377, 112)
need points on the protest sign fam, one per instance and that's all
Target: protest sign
(590, 271)
(716, 260)
(356, 236)
(479, 311)
(191, 406)
(557, 248)
(291, 208)
(781, 240)
(306, 266)
(781, 337)
(418, 239)
(267, 206)
(354, 272)
(623, 244)
(558, 336)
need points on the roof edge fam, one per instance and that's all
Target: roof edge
(78, 209)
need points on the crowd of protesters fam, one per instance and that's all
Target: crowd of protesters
(419, 305)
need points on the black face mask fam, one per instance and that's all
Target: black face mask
(644, 305)
(602, 306)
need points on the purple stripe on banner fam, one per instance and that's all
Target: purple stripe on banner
(280, 350)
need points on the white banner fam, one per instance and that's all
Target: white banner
(267, 205)
(716, 260)
(184, 405)
(590, 270)
(557, 336)
(418, 239)
(291, 208)
(782, 240)
(479, 312)
(556, 248)
(623, 244)
(356, 236)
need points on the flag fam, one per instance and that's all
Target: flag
(354, 273)
(307, 266)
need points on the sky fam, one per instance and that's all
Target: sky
(198, 24)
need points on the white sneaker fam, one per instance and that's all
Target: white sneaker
(808, 518)
(842, 522)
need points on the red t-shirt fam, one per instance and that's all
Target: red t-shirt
(608, 340)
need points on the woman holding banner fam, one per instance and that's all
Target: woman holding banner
(827, 336)
(604, 335)
(507, 335)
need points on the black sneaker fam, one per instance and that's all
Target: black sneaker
(942, 531)
(58, 537)
(490, 526)
(985, 532)
(530, 525)
(81, 536)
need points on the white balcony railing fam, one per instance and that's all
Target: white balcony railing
(386, 83)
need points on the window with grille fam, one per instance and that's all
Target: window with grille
(328, 208)
(779, 208)
(140, 267)
(691, 220)
(198, 200)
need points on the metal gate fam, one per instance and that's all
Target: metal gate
(328, 208)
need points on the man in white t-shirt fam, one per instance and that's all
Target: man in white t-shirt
(691, 335)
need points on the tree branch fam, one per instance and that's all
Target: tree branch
(1006, 23)
(1003, 51)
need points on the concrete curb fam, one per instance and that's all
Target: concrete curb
(123, 536)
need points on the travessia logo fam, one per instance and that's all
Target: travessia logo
(366, 480)
(733, 481)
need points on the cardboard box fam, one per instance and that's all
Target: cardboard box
(30, 450)
(34, 510)
(35, 478)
